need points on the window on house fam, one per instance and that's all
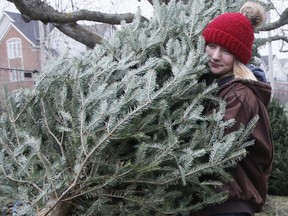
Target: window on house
(28, 75)
(14, 48)
(16, 75)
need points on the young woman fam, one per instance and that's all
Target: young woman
(229, 38)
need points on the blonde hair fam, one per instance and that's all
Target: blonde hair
(242, 72)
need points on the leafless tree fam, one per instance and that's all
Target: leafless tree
(66, 22)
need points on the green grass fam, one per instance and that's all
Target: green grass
(275, 206)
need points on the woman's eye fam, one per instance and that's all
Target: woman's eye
(226, 51)
(212, 45)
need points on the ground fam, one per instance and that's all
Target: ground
(276, 206)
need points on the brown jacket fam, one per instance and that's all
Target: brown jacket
(247, 192)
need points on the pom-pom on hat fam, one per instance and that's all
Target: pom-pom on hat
(235, 31)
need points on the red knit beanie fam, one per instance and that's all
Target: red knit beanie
(232, 31)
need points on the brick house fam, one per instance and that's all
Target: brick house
(19, 51)
(21, 54)
(25, 47)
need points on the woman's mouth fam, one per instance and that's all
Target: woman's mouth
(212, 64)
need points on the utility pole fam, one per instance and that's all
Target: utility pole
(42, 44)
(271, 74)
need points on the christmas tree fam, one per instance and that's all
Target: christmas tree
(279, 122)
(121, 131)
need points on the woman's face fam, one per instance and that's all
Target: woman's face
(221, 61)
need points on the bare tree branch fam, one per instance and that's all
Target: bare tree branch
(80, 34)
(283, 20)
(273, 38)
(166, 1)
(39, 10)
(282, 50)
(161, 1)
(282, 38)
(277, 37)
(66, 22)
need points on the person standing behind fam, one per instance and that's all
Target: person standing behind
(229, 38)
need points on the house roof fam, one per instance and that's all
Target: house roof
(283, 62)
(30, 29)
(265, 59)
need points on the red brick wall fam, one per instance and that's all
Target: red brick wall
(29, 61)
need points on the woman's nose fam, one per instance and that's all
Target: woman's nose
(216, 54)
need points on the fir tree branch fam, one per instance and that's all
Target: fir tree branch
(82, 119)
(48, 128)
(9, 105)
(119, 124)
(11, 152)
(134, 200)
(97, 187)
(125, 134)
(11, 118)
(21, 181)
(200, 169)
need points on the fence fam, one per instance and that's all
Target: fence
(280, 91)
